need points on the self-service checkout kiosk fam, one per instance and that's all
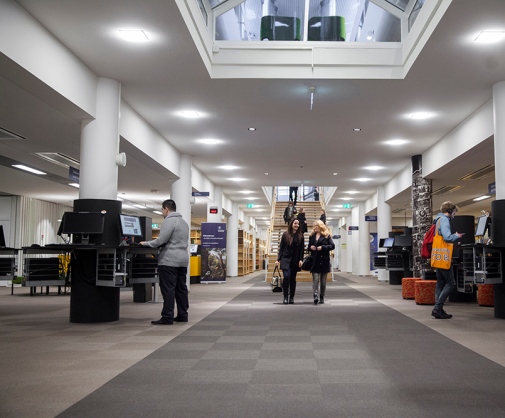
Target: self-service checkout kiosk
(195, 263)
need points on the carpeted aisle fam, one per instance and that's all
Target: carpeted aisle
(351, 357)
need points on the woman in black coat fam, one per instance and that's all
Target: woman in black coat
(290, 257)
(303, 220)
(320, 245)
(323, 216)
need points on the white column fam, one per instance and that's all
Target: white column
(218, 201)
(348, 223)
(499, 137)
(232, 242)
(383, 225)
(100, 144)
(364, 242)
(181, 194)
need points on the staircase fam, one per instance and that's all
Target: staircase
(312, 213)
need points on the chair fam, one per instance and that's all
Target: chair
(485, 294)
(425, 292)
(408, 288)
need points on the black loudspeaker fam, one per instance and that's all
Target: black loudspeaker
(111, 236)
(147, 229)
(464, 224)
(498, 223)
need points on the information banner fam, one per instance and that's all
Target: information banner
(213, 252)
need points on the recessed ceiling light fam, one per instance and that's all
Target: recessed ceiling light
(190, 114)
(356, 129)
(266, 174)
(252, 198)
(352, 192)
(363, 179)
(236, 179)
(335, 174)
(228, 167)
(421, 115)
(157, 212)
(374, 167)
(481, 198)
(210, 141)
(345, 198)
(133, 35)
(29, 169)
(396, 142)
(490, 36)
(246, 191)
(76, 185)
(139, 206)
(251, 129)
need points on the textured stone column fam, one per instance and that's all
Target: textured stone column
(421, 211)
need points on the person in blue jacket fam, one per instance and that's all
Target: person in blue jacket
(445, 278)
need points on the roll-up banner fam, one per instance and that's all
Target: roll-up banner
(213, 252)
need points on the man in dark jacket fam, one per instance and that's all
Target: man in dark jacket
(289, 212)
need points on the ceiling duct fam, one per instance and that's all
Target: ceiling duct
(59, 159)
(479, 174)
(9, 135)
(445, 189)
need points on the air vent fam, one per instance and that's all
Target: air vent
(445, 189)
(59, 159)
(479, 174)
(5, 134)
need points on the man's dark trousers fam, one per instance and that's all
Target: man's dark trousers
(174, 290)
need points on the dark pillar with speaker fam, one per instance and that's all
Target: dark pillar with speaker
(90, 303)
(498, 237)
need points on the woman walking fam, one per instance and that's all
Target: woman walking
(290, 257)
(320, 245)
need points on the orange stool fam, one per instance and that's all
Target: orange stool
(485, 294)
(408, 289)
(425, 292)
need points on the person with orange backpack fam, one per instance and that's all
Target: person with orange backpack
(445, 277)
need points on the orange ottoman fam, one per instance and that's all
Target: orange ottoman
(485, 294)
(408, 289)
(425, 292)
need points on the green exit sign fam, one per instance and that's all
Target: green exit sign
(347, 206)
(250, 205)
(154, 226)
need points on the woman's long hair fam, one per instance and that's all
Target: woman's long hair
(322, 228)
(290, 233)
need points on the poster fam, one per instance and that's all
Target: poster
(213, 252)
(373, 248)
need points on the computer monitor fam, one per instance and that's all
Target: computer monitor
(82, 223)
(403, 241)
(130, 226)
(388, 242)
(381, 242)
(482, 225)
(2, 236)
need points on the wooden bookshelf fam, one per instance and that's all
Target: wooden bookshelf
(195, 236)
(243, 252)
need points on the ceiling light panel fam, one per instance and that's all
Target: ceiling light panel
(29, 169)
(490, 36)
(133, 35)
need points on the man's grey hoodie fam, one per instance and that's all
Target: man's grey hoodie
(174, 233)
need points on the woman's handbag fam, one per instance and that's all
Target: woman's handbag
(441, 252)
(276, 282)
(307, 263)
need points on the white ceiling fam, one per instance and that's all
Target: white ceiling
(452, 77)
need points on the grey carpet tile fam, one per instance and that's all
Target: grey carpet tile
(354, 357)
